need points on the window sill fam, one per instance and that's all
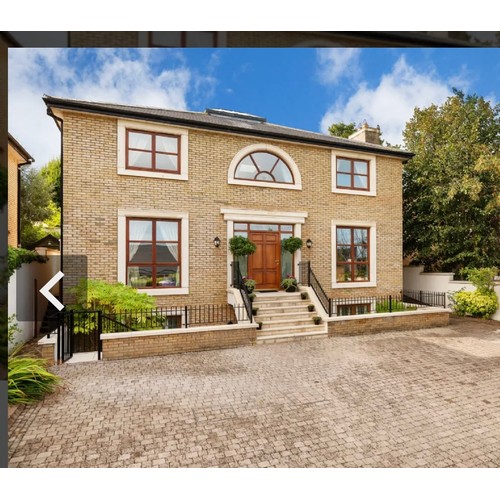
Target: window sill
(355, 284)
(155, 175)
(163, 291)
(357, 192)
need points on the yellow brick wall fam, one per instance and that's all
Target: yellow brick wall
(363, 326)
(93, 193)
(13, 161)
(175, 343)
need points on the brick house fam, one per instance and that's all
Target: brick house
(17, 158)
(148, 193)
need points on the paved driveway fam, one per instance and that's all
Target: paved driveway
(428, 398)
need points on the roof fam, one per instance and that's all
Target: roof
(227, 121)
(22, 152)
(48, 241)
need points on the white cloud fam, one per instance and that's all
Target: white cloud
(112, 75)
(390, 104)
(337, 63)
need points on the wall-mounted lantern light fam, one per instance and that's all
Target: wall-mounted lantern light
(217, 242)
(309, 243)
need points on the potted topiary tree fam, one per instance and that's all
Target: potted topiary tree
(292, 244)
(240, 246)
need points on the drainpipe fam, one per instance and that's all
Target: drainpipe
(60, 125)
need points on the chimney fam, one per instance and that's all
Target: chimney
(367, 134)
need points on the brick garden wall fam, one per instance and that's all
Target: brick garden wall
(124, 346)
(382, 323)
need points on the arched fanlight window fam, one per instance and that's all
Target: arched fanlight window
(265, 167)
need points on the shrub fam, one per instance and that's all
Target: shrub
(110, 297)
(482, 278)
(475, 304)
(304, 295)
(19, 256)
(241, 246)
(310, 307)
(29, 380)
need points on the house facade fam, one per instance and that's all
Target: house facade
(152, 197)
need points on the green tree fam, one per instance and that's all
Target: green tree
(342, 129)
(452, 185)
(40, 212)
(52, 173)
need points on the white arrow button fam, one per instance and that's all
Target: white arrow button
(45, 290)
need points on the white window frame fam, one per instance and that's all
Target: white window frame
(372, 166)
(123, 214)
(137, 125)
(267, 148)
(372, 227)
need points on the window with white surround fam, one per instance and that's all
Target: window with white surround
(153, 251)
(264, 165)
(147, 149)
(354, 254)
(354, 173)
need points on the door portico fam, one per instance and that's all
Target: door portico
(295, 221)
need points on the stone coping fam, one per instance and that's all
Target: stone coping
(430, 310)
(47, 341)
(177, 331)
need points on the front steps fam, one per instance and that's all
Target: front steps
(284, 317)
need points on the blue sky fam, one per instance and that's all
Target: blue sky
(301, 88)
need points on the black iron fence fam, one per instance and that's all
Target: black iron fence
(162, 318)
(237, 282)
(420, 297)
(307, 277)
(406, 300)
(80, 330)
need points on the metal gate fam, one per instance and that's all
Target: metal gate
(79, 331)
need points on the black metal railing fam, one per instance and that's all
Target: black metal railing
(307, 277)
(161, 318)
(420, 297)
(407, 300)
(348, 306)
(79, 331)
(237, 282)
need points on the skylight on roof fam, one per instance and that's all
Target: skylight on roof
(235, 114)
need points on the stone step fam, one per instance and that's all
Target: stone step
(268, 325)
(274, 339)
(290, 330)
(286, 315)
(279, 303)
(280, 309)
(278, 296)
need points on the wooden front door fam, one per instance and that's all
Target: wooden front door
(264, 266)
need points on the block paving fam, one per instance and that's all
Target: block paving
(400, 399)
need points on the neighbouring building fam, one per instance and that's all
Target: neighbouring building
(17, 158)
(148, 193)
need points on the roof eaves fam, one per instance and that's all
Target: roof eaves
(22, 152)
(185, 121)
